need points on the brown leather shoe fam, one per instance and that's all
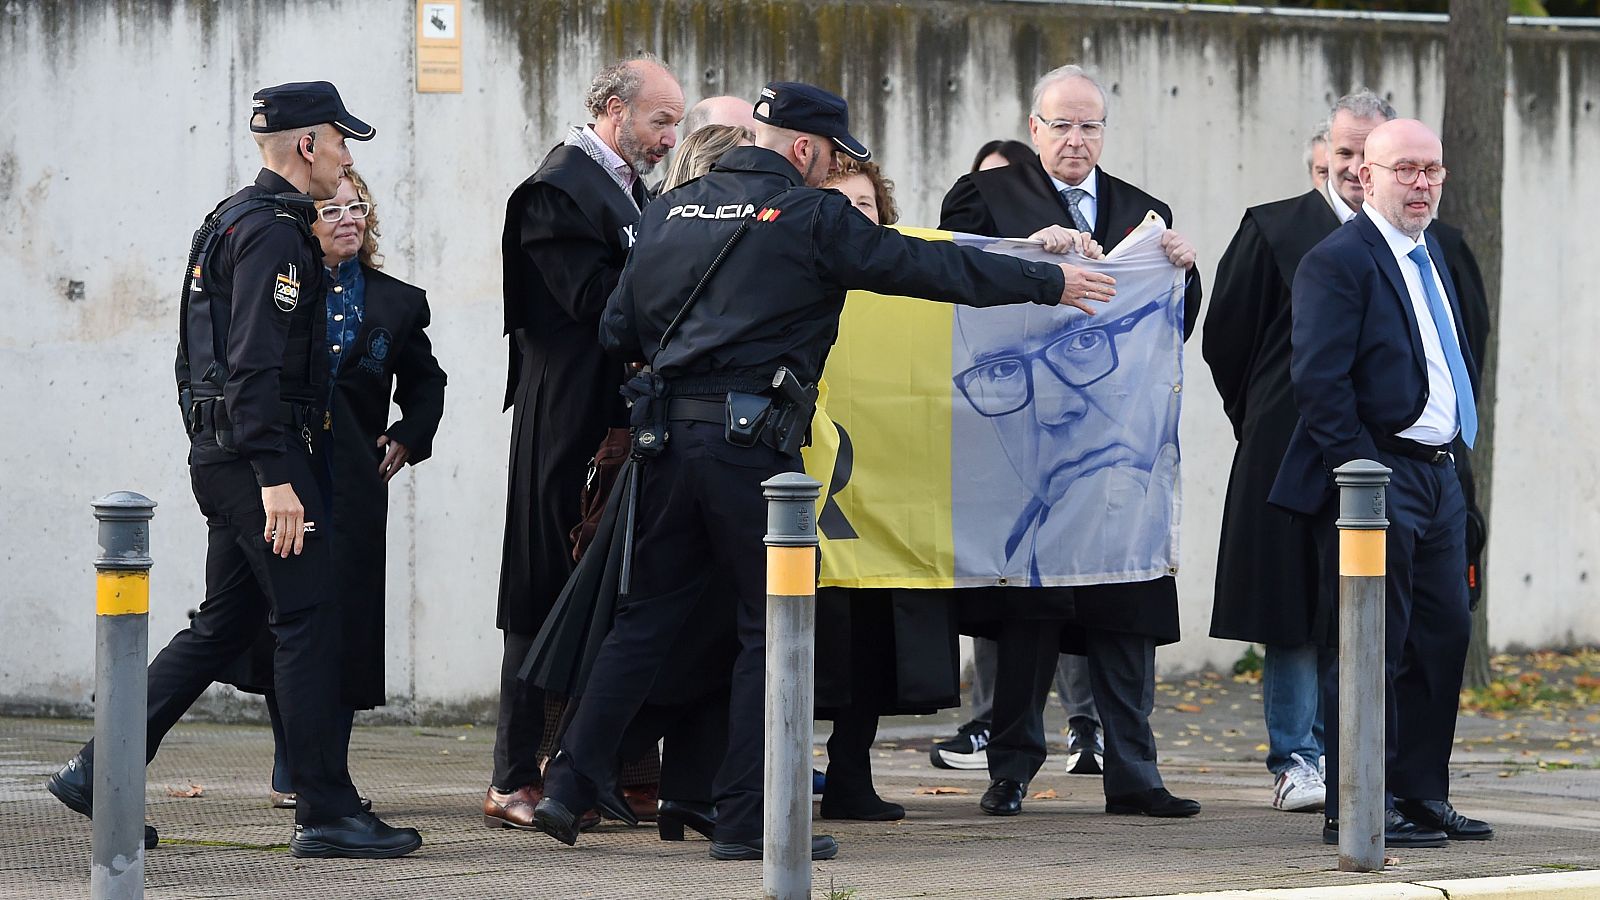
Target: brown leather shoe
(512, 810)
(642, 800)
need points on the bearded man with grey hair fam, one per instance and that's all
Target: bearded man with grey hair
(568, 231)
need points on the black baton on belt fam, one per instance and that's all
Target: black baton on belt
(631, 498)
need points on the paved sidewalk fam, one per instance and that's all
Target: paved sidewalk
(1533, 775)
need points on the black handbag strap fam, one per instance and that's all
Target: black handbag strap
(694, 295)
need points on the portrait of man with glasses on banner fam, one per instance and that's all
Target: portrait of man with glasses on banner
(1085, 410)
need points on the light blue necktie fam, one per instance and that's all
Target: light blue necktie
(1079, 220)
(1466, 405)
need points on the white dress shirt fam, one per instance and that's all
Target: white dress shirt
(1438, 423)
(1340, 208)
(1089, 205)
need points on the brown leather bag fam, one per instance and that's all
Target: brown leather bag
(597, 484)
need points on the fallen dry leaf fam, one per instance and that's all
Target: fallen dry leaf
(1046, 794)
(193, 790)
(1187, 707)
(941, 790)
(1262, 748)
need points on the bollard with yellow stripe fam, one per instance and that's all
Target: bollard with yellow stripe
(791, 631)
(1363, 525)
(122, 640)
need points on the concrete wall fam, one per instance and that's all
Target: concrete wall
(122, 123)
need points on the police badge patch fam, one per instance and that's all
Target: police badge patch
(286, 292)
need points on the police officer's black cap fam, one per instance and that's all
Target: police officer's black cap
(808, 108)
(301, 105)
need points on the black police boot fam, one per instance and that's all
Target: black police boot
(361, 836)
(552, 817)
(74, 787)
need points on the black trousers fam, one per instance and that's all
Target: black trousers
(1427, 627)
(245, 585)
(519, 729)
(700, 510)
(1122, 679)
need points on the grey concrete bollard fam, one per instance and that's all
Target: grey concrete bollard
(791, 636)
(1363, 526)
(122, 614)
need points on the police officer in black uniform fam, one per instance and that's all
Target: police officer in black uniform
(252, 378)
(715, 335)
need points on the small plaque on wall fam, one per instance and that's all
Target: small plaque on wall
(438, 46)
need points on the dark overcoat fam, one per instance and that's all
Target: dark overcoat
(567, 234)
(1016, 201)
(1266, 583)
(391, 359)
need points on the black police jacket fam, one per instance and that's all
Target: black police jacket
(264, 281)
(775, 300)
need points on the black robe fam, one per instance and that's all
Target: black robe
(567, 234)
(391, 358)
(1266, 586)
(1016, 201)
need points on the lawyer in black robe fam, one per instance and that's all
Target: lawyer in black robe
(1016, 201)
(567, 234)
(1266, 585)
(1117, 626)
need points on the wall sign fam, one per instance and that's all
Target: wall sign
(438, 46)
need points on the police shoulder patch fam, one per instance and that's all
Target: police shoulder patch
(286, 290)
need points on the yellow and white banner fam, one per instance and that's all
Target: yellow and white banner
(1014, 445)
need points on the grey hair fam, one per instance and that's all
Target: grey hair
(1065, 73)
(1320, 136)
(1363, 103)
(622, 79)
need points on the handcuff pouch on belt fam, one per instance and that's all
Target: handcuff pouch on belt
(747, 416)
(646, 393)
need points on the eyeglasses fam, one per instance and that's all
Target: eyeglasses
(1092, 130)
(1003, 385)
(1406, 173)
(357, 210)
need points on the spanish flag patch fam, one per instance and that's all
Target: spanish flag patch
(769, 215)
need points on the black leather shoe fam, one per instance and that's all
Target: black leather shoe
(672, 816)
(552, 817)
(1398, 831)
(823, 846)
(1439, 815)
(74, 786)
(361, 836)
(1155, 802)
(1003, 798)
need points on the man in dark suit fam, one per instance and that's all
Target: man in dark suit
(1117, 625)
(567, 234)
(1382, 371)
(1266, 588)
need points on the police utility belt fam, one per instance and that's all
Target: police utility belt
(775, 412)
(210, 414)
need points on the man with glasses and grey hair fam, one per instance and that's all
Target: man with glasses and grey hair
(1266, 588)
(1116, 625)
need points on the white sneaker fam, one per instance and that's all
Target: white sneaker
(1299, 787)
